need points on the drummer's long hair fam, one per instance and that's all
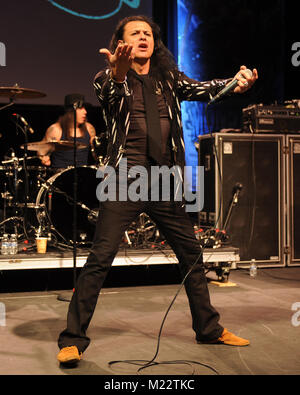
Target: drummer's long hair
(162, 60)
(66, 122)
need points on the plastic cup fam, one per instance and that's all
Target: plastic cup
(41, 245)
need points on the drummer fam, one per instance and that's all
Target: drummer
(63, 129)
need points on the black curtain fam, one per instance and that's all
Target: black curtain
(236, 32)
(165, 15)
(256, 33)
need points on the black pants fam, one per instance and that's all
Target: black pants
(114, 219)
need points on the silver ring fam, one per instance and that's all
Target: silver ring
(246, 83)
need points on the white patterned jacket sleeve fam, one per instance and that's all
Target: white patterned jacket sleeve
(192, 90)
(109, 90)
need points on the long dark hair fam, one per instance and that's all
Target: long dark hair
(162, 60)
(66, 122)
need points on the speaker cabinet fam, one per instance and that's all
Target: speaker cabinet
(293, 199)
(244, 190)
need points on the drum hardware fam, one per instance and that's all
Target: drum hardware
(51, 146)
(127, 238)
(294, 103)
(92, 214)
(55, 202)
(14, 220)
(13, 160)
(12, 196)
(25, 129)
(7, 196)
(143, 233)
(16, 174)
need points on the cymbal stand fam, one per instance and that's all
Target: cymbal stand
(4, 207)
(234, 201)
(25, 130)
(11, 103)
(7, 196)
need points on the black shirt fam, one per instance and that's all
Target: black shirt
(136, 142)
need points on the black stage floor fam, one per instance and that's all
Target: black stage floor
(127, 322)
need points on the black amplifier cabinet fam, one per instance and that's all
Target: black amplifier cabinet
(244, 192)
(293, 199)
(259, 118)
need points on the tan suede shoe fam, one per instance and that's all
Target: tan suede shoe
(230, 339)
(69, 355)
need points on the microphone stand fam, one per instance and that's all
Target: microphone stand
(25, 130)
(75, 106)
(234, 201)
(61, 297)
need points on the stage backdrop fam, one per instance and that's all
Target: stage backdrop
(52, 46)
(214, 39)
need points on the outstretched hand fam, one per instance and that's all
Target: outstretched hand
(120, 61)
(245, 81)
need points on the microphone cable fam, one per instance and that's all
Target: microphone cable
(144, 364)
(215, 152)
(253, 213)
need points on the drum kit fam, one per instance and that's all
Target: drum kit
(38, 201)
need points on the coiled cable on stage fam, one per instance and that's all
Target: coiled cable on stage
(144, 364)
(147, 364)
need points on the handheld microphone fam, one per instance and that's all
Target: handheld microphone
(237, 190)
(228, 88)
(238, 187)
(23, 120)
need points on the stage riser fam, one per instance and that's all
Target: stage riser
(129, 258)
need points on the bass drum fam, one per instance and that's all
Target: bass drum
(55, 202)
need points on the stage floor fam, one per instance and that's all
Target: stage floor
(127, 320)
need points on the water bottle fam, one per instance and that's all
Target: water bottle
(9, 245)
(4, 244)
(13, 244)
(253, 269)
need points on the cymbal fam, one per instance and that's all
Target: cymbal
(50, 146)
(16, 92)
